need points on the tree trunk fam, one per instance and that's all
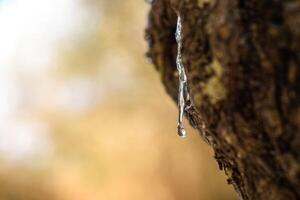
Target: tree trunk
(242, 60)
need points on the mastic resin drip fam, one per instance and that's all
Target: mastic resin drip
(183, 96)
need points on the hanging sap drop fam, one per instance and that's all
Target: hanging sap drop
(183, 96)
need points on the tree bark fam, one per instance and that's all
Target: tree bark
(242, 60)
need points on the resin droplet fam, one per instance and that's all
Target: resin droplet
(183, 96)
(181, 131)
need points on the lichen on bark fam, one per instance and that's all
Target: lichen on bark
(242, 60)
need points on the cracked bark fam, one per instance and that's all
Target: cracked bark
(242, 62)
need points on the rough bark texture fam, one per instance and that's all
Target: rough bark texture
(242, 59)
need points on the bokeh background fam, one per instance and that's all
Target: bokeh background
(83, 116)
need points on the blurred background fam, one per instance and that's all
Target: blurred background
(83, 116)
